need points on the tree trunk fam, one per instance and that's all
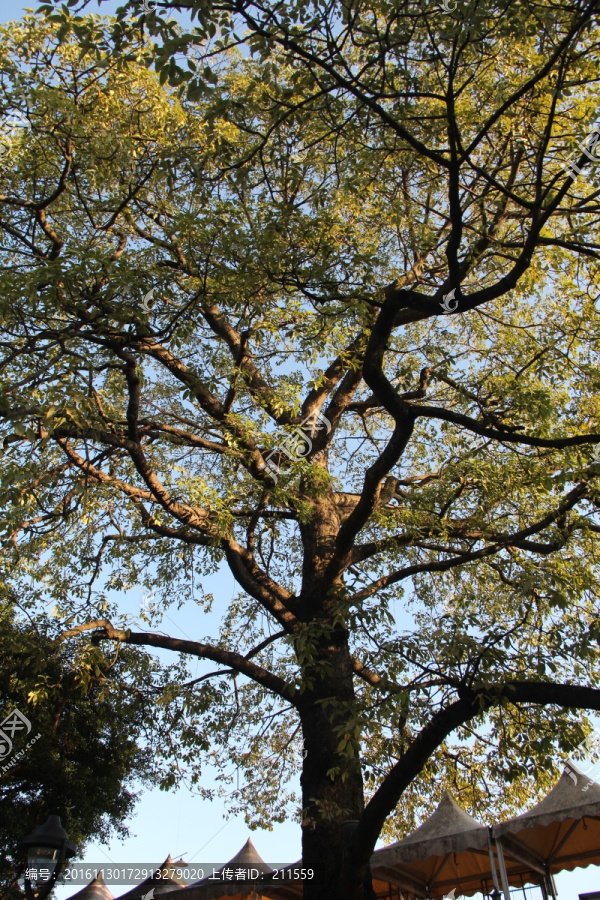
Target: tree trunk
(329, 800)
(326, 705)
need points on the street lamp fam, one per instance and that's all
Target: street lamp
(47, 849)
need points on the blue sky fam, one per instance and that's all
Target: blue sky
(184, 825)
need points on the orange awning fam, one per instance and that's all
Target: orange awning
(95, 890)
(171, 881)
(562, 831)
(449, 851)
(247, 859)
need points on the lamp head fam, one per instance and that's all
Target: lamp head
(48, 846)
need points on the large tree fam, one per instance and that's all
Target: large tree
(353, 240)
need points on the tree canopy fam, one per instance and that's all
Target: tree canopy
(344, 233)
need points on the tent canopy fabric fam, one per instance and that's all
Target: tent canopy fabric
(171, 881)
(572, 797)
(248, 857)
(95, 890)
(448, 849)
(210, 887)
(449, 829)
(562, 831)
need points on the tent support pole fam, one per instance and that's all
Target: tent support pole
(502, 866)
(492, 863)
(549, 887)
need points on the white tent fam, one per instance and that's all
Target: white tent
(164, 880)
(448, 852)
(241, 868)
(560, 833)
(95, 890)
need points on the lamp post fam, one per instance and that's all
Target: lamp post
(47, 849)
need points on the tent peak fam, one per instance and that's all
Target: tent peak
(95, 890)
(247, 857)
(449, 829)
(574, 796)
